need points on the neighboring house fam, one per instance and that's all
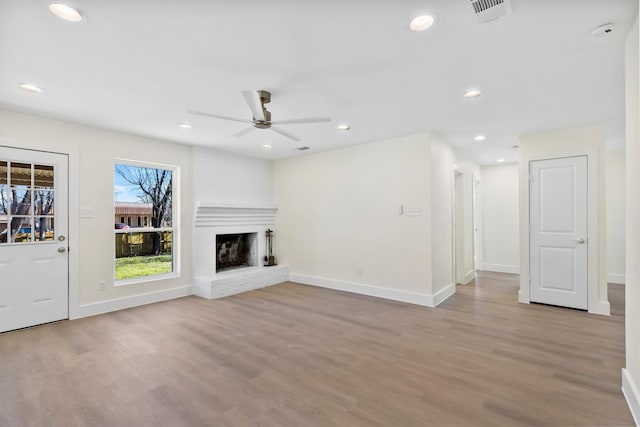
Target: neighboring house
(133, 214)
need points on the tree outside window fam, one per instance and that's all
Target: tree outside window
(144, 245)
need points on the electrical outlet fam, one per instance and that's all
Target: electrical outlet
(102, 285)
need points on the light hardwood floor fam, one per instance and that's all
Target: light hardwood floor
(294, 355)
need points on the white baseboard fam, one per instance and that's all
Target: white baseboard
(632, 395)
(500, 268)
(441, 296)
(469, 277)
(375, 291)
(94, 308)
(616, 278)
(603, 308)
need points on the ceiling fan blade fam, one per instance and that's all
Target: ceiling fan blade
(215, 116)
(285, 134)
(301, 121)
(253, 101)
(244, 132)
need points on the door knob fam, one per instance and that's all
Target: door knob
(62, 249)
(581, 240)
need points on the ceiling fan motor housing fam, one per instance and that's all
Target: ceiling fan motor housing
(263, 124)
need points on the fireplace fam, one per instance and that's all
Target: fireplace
(229, 247)
(235, 251)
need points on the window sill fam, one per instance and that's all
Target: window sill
(146, 279)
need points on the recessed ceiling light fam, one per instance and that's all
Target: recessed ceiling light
(500, 160)
(65, 12)
(344, 126)
(29, 87)
(472, 93)
(266, 147)
(421, 23)
(185, 125)
(479, 138)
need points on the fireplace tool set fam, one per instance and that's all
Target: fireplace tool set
(269, 259)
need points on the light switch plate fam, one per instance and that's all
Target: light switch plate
(86, 213)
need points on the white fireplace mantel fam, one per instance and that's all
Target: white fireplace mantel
(220, 218)
(227, 215)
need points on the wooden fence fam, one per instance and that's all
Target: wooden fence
(137, 243)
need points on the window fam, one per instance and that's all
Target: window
(144, 192)
(26, 202)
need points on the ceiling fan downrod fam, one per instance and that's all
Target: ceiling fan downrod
(265, 98)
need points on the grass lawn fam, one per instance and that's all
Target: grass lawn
(139, 266)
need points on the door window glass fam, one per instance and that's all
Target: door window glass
(4, 202)
(27, 201)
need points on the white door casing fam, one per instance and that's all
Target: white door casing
(458, 225)
(559, 232)
(477, 209)
(34, 220)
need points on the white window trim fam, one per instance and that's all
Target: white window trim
(175, 221)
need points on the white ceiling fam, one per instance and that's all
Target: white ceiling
(137, 66)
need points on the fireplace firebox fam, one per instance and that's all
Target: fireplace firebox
(235, 251)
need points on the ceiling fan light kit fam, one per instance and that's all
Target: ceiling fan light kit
(261, 119)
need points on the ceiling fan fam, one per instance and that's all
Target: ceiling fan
(261, 116)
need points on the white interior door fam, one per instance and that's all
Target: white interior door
(558, 238)
(34, 264)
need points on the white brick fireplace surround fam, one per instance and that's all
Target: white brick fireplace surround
(213, 219)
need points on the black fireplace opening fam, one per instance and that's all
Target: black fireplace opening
(234, 251)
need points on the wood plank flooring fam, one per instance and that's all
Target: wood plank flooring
(294, 355)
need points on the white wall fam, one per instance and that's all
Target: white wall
(588, 141)
(338, 220)
(631, 375)
(615, 215)
(339, 226)
(223, 177)
(500, 218)
(92, 153)
(441, 164)
(213, 175)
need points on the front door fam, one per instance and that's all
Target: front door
(558, 238)
(34, 263)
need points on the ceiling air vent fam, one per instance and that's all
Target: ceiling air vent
(489, 10)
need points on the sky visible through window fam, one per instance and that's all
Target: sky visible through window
(125, 191)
